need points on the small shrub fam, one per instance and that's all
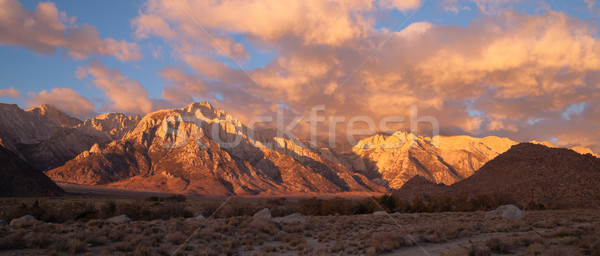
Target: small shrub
(176, 198)
(141, 250)
(176, 238)
(535, 249)
(125, 246)
(478, 250)
(498, 245)
(75, 245)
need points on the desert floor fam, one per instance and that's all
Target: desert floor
(548, 232)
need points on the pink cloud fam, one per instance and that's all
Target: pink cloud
(185, 86)
(322, 21)
(46, 30)
(497, 76)
(10, 92)
(488, 7)
(401, 5)
(125, 94)
(65, 99)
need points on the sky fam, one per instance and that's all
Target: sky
(526, 70)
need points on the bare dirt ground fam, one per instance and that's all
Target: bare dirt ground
(549, 232)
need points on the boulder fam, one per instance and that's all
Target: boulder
(263, 214)
(292, 218)
(506, 212)
(380, 213)
(22, 221)
(198, 217)
(119, 219)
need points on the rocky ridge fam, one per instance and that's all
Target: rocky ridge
(46, 137)
(528, 172)
(394, 159)
(192, 150)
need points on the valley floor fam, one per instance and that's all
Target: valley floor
(550, 232)
(103, 190)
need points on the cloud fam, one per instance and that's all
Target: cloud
(124, 94)
(488, 7)
(47, 30)
(322, 21)
(65, 99)
(590, 4)
(10, 92)
(185, 86)
(508, 73)
(401, 5)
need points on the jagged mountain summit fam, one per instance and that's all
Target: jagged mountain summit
(46, 137)
(193, 150)
(116, 125)
(177, 150)
(528, 172)
(394, 159)
(18, 178)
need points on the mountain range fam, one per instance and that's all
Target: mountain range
(47, 138)
(527, 172)
(187, 150)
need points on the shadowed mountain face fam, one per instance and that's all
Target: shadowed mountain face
(47, 138)
(189, 150)
(18, 178)
(555, 177)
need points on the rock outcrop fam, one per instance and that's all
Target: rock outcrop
(262, 214)
(119, 219)
(506, 212)
(23, 221)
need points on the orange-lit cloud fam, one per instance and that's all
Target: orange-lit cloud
(10, 92)
(507, 74)
(401, 5)
(185, 86)
(488, 7)
(65, 99)
(312, 21)
(47, 30)
(125, 94)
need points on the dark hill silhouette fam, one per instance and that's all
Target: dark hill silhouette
(19, 179)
